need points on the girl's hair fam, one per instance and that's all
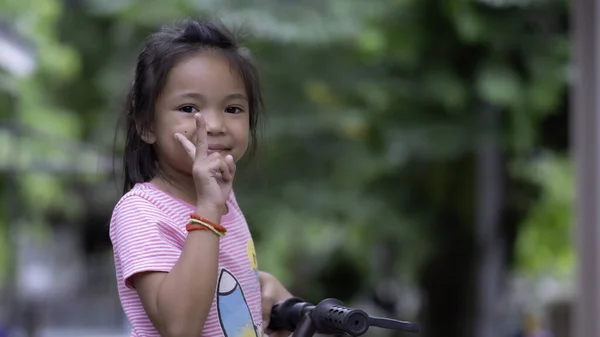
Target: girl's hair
(161, 52)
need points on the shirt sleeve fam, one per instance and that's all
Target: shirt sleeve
(143, 238)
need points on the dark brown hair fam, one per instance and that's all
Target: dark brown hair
(161, 52)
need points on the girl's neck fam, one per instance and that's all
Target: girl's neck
(175, 183)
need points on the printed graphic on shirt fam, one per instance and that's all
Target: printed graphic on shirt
(252, 256)
(234, 313)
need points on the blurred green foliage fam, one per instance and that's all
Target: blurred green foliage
(367, 166)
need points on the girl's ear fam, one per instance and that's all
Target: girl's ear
(147, 135)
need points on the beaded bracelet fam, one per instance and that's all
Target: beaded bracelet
(199, 223)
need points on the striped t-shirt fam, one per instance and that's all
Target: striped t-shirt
(147, 231)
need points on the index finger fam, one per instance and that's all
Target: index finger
(201, 137)
(189, 147)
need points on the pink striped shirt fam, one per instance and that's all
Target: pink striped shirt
(147, 231)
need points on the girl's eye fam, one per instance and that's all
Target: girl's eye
(188, 109)
(233, 110)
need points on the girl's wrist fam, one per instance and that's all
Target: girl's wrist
(212, 213)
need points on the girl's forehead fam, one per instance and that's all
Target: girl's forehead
(206, 73)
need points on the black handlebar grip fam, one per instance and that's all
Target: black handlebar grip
(331, 316)
(287, 314)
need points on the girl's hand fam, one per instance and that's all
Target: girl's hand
(273, 292)
(213, 174)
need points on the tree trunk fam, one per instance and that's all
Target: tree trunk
(489, 242)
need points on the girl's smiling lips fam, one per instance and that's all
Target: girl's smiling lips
(217, 148)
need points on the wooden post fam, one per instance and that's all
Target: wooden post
(585, 131)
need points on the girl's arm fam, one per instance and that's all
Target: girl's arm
(273, 292)
(178, 302)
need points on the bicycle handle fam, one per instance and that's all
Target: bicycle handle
(330, 316)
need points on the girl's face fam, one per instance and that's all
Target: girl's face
(201, 82)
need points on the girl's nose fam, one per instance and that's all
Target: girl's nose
(215, 122)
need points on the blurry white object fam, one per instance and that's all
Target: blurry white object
(36, 280)
(16, 58)
(48, 266)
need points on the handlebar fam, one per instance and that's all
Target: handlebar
(330, 316)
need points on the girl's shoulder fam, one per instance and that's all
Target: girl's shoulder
(147, 207)
(145, 199)
(149, 194)
(141, 193)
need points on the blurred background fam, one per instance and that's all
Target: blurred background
(415, 162)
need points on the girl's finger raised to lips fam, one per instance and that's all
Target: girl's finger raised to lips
(201, 137)
(188, 146)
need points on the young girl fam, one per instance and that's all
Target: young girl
(184, 257)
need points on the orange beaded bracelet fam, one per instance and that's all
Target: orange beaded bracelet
(199, 223)
(206, 221)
